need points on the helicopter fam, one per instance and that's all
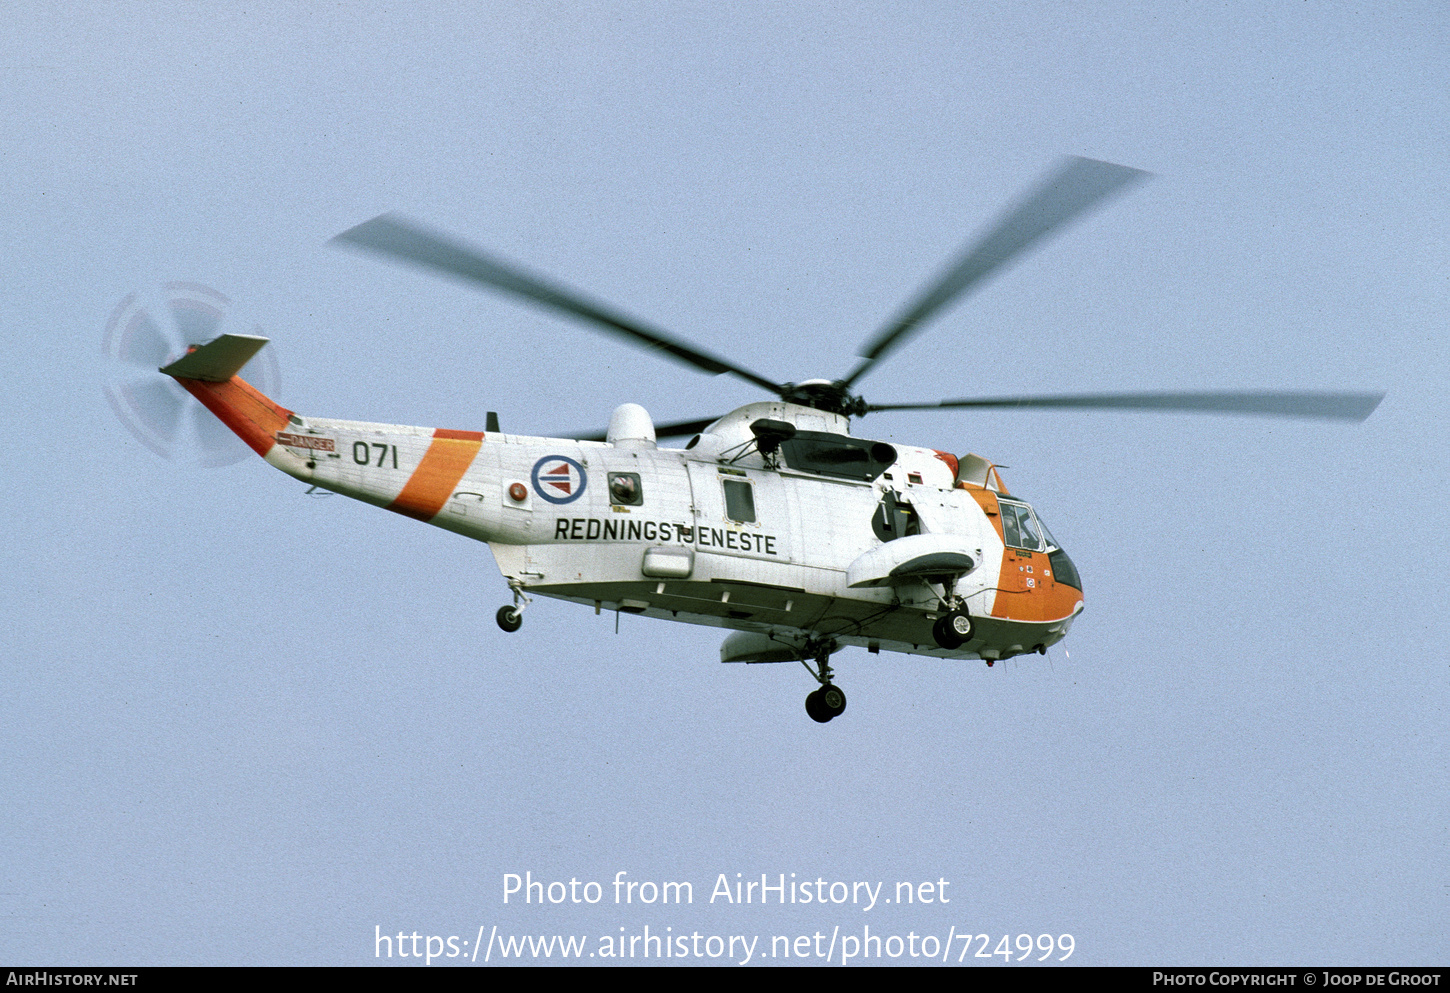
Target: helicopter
(773, 521)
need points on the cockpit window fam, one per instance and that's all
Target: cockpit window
(1019, 528)
(1022, 529)
(1047, 535)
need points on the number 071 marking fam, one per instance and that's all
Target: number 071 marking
(362, 453)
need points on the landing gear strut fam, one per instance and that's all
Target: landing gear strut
(510, 617)
(952, 629)
(828, 701)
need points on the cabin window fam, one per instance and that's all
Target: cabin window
(739, 501)
(1019, 528)
(625, 489)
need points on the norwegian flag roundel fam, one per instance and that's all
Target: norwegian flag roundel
(559, 479)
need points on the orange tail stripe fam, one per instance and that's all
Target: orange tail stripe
(254, 417)
(432, 483)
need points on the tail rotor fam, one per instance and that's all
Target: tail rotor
(142, 336)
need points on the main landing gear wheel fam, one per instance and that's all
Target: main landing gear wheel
(826, 703)
(953, 629)
(833, 701)
(510, 618)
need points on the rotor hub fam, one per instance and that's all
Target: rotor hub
(823, 394)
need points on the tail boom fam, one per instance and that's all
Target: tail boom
(254, 417)
(408, 470)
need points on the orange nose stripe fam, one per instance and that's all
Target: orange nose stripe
(432, 483)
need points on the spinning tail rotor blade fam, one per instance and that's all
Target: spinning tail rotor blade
(216, 444)
(1077, 185)
(141, 343)
(1319, 405)
(152, 410)
(392, 236)
(196, 319)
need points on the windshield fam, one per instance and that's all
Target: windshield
(1021, 528)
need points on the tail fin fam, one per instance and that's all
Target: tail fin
(209, 373)
(218, 360)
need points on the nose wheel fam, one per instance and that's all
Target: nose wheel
(953, 629)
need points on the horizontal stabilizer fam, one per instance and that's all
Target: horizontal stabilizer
(217, 361)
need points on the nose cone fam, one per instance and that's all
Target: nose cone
(630, 426)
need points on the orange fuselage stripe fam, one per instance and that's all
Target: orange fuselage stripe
(432, 483)
(255, 418)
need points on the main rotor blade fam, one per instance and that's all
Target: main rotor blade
(1077, 185)
(1336, 406)
(679, 429)
(390, 235)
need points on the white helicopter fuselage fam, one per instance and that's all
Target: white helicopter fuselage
(714, 534)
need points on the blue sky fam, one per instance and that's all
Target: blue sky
(246, 726)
